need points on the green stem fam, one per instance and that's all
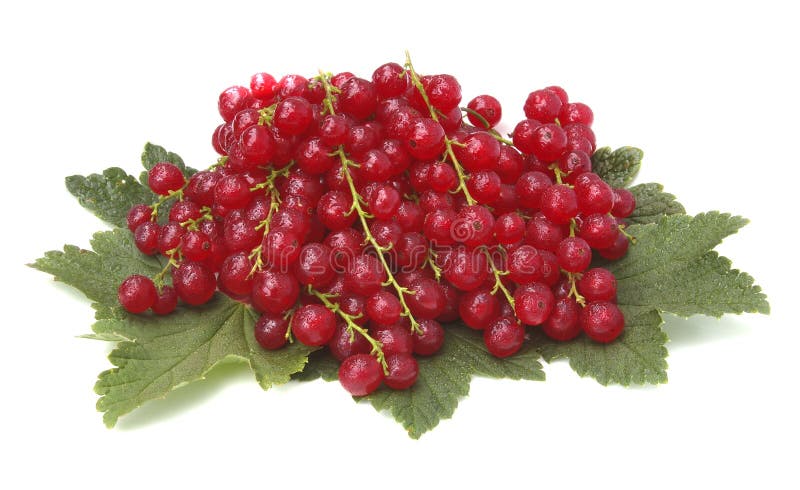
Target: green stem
(486, 126)
(274, 204)
(353, 327)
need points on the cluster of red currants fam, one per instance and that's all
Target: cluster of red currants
(362, 214)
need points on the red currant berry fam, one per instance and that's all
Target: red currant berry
(602, 321)
(549, 142)
(530, 187)
(137, 293)
(525, 265)
(383, 308)
(624, 203)
(263, 86)
(559, 204)
(389, 80)
(231, 101)
(164, 178)
(346, 343)
(551, 273)
(365, 275)
(484, 186)
(560, 93)
(542, 105)
(574, 164)
(473, 226)
(425, 140)
(564, 322)
(270, 331)
(403, 371)
(240, 234)
(438, 225)
(201, 187)
(598, 284)
(274, 292)
(195, 246)
(430, 338)
(314, 266)
(232, 191)
(617, 250)
(293, 115)
(544, 234)
(146, 237)
(509, 228)
(489, 110)
(357, 98)
(360, 374)
(478, 151)
(524, 135)
(593, 195)
(465, 268)
(138, 214)
(599, 230)
(235, 275)
(478, 308)
(533, 303)
(194, 283)
(169, 238)
(510, 165)
(504, 337)
(394, 339)
(313, 325)
(426, 299)
(576, 113)
(166, 301)
(574, 254)
(443, 91)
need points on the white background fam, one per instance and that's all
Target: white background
(709, 92)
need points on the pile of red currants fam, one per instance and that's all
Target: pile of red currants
(361, 215)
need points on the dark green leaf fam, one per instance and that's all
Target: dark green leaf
(110, 195)
(652, 203)
(154, 154)
(618, 167)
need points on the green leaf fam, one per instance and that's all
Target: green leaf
(166, 352)
(154, 154)
(110, 195)
(98, 273)
(618, 167)
(321, 365)
(443, 378)
(652, 203)
(637, 356)
(672, 268)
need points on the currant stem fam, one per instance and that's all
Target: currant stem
(330, 90)
(486, 126)
(573, 289)
(274, 204)
(498, 278)
(352, 327)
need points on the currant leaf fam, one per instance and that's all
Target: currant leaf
(637, 356)
(672, 268)
(153, 154)
(109, 195)
(166, 352)
(444, 378)
(652, 203)
(618, 167)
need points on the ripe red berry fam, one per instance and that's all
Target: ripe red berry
(574, 254)
(146, 237)
(137, 293)
(478, 151)
(549, 142)
(164, 178)
(138, 214)
(389, 80)
(599, 230)
(478, 308)
(559, 204)
(598, 284)
(430, 338)
(313, 325)
(564, 322)
(383, 308)
(533, 303)
(593, 195)
(314, 266)
(364, 275)
(194, 283)
(602, 321)
(360, 374)
(576, 112)
(345, 343)
(543, 105)
(166, 301)
(394, 339)
(425, 140)
(488, 108)
(293, 115)
(504, 336)
(509, 228)
(426, 300)
(624, 203)
(274, 292)
(525, 265)
(270, 331)
(403, 371)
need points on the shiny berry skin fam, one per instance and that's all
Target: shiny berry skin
(530, 187)
(166, 301)
(234, 275)
(403, 371)
(138, 214)
(624, 203)
(384, 202)
(183, 211)
(617, 250)
(509, 228)
(240, 234)
(344, 344)
(146, 237)
(479, 151)
(164, 178)
(293, 115)
(425, 140)
(231, 101)
(200, 188)
(489, 109)
(549, 142)
(357, 98)
(599, 230)
(576, 113)
(484, 186)
(478, 308)
(334, 129)
(169, 238)
(270, 331)
(438, 226)
(364, 275)
(313, 157)
(504, 337)
(389, 80)
(551, 273)
(544, 234)
(430, 339)
(559, 204)
(524, 135)
(575, 163)
(574, 254)
(232, 191)
(313, 325)
(194, 283)
(137, 293)
(314, 266)
(383, 308)
(443, 91)
(360, 374)
(525, 265)
(274, 292)
(394, 339)
(374, 166)
(510, 165)
(333, 210)
(443, 177)
(473, 226)
(543, 105)
(533, 303)
(602, 321)
(195, 246)
(598, 284)
(593, 195)
(263, 86)
(465, 268)
(564, 321)
(427, 300)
